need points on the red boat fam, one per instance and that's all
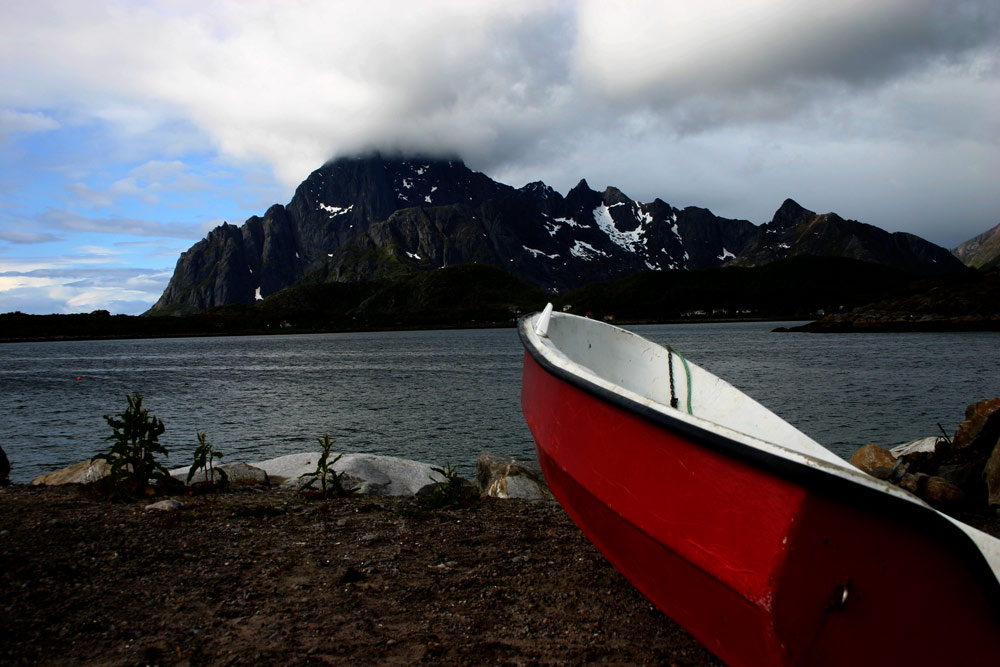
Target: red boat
(764, 545)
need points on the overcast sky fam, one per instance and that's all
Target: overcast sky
(129, 129)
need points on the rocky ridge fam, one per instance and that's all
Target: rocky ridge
(795, 231)
(376, 217)
(363, 475)
(982, 251)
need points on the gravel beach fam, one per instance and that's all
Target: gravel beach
(262, 576)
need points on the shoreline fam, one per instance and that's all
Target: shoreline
(829, 324)
(292, 331)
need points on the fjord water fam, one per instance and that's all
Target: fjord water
(445, 396)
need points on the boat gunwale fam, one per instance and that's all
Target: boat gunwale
(818, 476)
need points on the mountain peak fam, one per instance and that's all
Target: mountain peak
(613, 195)
(791, 214)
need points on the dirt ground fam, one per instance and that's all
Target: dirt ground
(265, 577)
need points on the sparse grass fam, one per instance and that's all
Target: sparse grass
(204, 459)
(454, 491)
(131, 457)
(331, 482)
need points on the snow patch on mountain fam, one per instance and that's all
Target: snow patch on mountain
(539, 253)
(334, 211)
(644, 217)
(571, 222)
(630, 241)
(585, 251)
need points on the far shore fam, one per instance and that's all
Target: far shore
(59, 332)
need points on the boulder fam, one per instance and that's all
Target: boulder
(919, 446)
(980, 429)
(83, 472)
(967, 476)
(371, 474)
(290, 467)
(991, 476)
(872, 457)
(921, 455)
(237, 472)
(395, 476)
(4, 468)
(937, 491)
(504, 477)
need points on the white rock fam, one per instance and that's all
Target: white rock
(289, 467)
(390, 475)
(236, 471)
(405, 477)
(914, 446)
(168, 505)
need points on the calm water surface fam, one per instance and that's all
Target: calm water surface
(445, 396)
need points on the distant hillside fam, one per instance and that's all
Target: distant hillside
(375, 218)
(795, 288)
(981, 252)
(968, 301)
(466, 295)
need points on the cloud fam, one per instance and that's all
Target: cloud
(26, 237)
(71, 290)
(149, 183)
(24, 121)
(729, 105)
(71, 221)
(487, 80)
(666, 53)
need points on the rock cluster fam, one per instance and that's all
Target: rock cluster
(366, 474)
(960, 474)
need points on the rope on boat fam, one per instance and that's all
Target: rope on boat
(687, 372)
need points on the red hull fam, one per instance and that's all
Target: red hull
(759, 565)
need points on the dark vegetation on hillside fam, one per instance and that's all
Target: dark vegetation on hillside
(966, 301)
(796, 288)
(476, 295)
